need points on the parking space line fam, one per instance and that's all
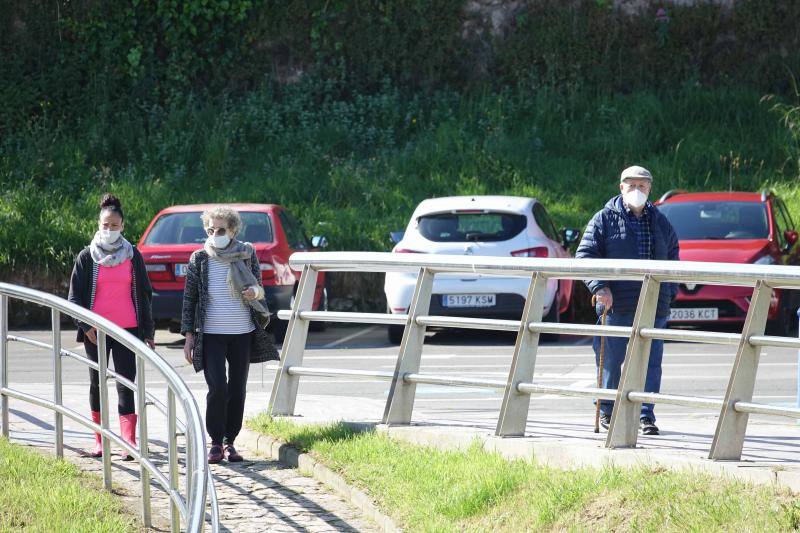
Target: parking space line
(350, 337)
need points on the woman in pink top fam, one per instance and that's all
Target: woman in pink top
(110, 278)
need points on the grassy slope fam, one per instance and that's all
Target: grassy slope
(355, 169)
(427, 489)
(39, 493)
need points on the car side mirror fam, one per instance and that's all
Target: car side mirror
(791, 237)
(570, 235)
(396, 236)
(319, 241)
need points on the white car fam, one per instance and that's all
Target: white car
(480, 225)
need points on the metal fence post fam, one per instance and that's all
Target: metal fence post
(624, 429)
(144, 445)
(190, 466)
(4, 363)
(732, 425)
(797, 402)
(57, 389)
(172, 451)
(514, 412)
(284, 390)
(102, 362)
(400, 402)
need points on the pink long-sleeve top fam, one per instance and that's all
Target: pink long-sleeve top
(113, 297)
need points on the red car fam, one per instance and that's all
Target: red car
(177, 231)
(733, 227)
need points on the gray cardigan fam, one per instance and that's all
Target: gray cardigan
(195, 302)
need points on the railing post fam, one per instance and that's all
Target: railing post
(624, 429)
(4, 363)
(797, 398)
(188, 438)
(57, 389)
(102, 377)
(400, 402)
(144, 445)
(732, 425)
(172, 451)
(514, 412)
(284, 390)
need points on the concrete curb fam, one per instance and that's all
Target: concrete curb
(280, 451)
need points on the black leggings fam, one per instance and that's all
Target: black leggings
(226, 394)
(124, 365)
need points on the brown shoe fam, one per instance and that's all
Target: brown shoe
(215, 454)
(232, 454)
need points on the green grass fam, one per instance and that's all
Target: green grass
(39, 493)
(428, 489)
(354, 168)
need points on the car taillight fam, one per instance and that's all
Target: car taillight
(538, 251)
(267, 271)
(158, 272)
(406, 251)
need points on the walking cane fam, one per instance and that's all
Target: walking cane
(599, 367)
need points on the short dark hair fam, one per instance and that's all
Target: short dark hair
(109, 202)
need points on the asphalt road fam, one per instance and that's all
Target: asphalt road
(689, 369)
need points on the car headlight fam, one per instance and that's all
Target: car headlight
(765, 260)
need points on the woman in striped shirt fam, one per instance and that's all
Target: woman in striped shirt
(224, 315)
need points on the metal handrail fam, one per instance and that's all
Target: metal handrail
(199, 484)
(734, 407)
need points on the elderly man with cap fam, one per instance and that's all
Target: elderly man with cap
(629, 227)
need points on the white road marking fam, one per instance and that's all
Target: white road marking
(481, 399)
(447, 357)
(350, 337)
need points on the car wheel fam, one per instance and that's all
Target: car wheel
(395, 334)
(278, 328)
(552, 316)
(323, 306)
(785, 325)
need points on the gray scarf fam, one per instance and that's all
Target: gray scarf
(240, 276)
(109, 255)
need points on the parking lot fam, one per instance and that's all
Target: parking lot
(689, 369)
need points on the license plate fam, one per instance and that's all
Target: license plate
(180, 269)
(694, 313)
(468, 300)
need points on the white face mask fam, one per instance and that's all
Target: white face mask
(219, 241)
(108, 236)
(634, 198)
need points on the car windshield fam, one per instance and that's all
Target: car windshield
(717, 220)
(187, 228)
(479, 227)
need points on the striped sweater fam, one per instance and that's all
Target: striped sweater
(195, 310)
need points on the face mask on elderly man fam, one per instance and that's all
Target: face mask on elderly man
(634, 198)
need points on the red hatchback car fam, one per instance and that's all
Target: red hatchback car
(177, 231)
(734, 227)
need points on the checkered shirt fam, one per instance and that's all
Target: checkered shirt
(641, 226)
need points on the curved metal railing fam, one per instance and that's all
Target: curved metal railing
(191, 507)
(735, 407)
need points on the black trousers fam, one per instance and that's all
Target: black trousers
(226, 394)
(124, 365)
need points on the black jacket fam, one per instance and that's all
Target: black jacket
(609, 235)
(83, 287)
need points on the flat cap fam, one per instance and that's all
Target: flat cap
(635, 172)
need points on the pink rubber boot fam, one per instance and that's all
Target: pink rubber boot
(127, 426)
(98, 440)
